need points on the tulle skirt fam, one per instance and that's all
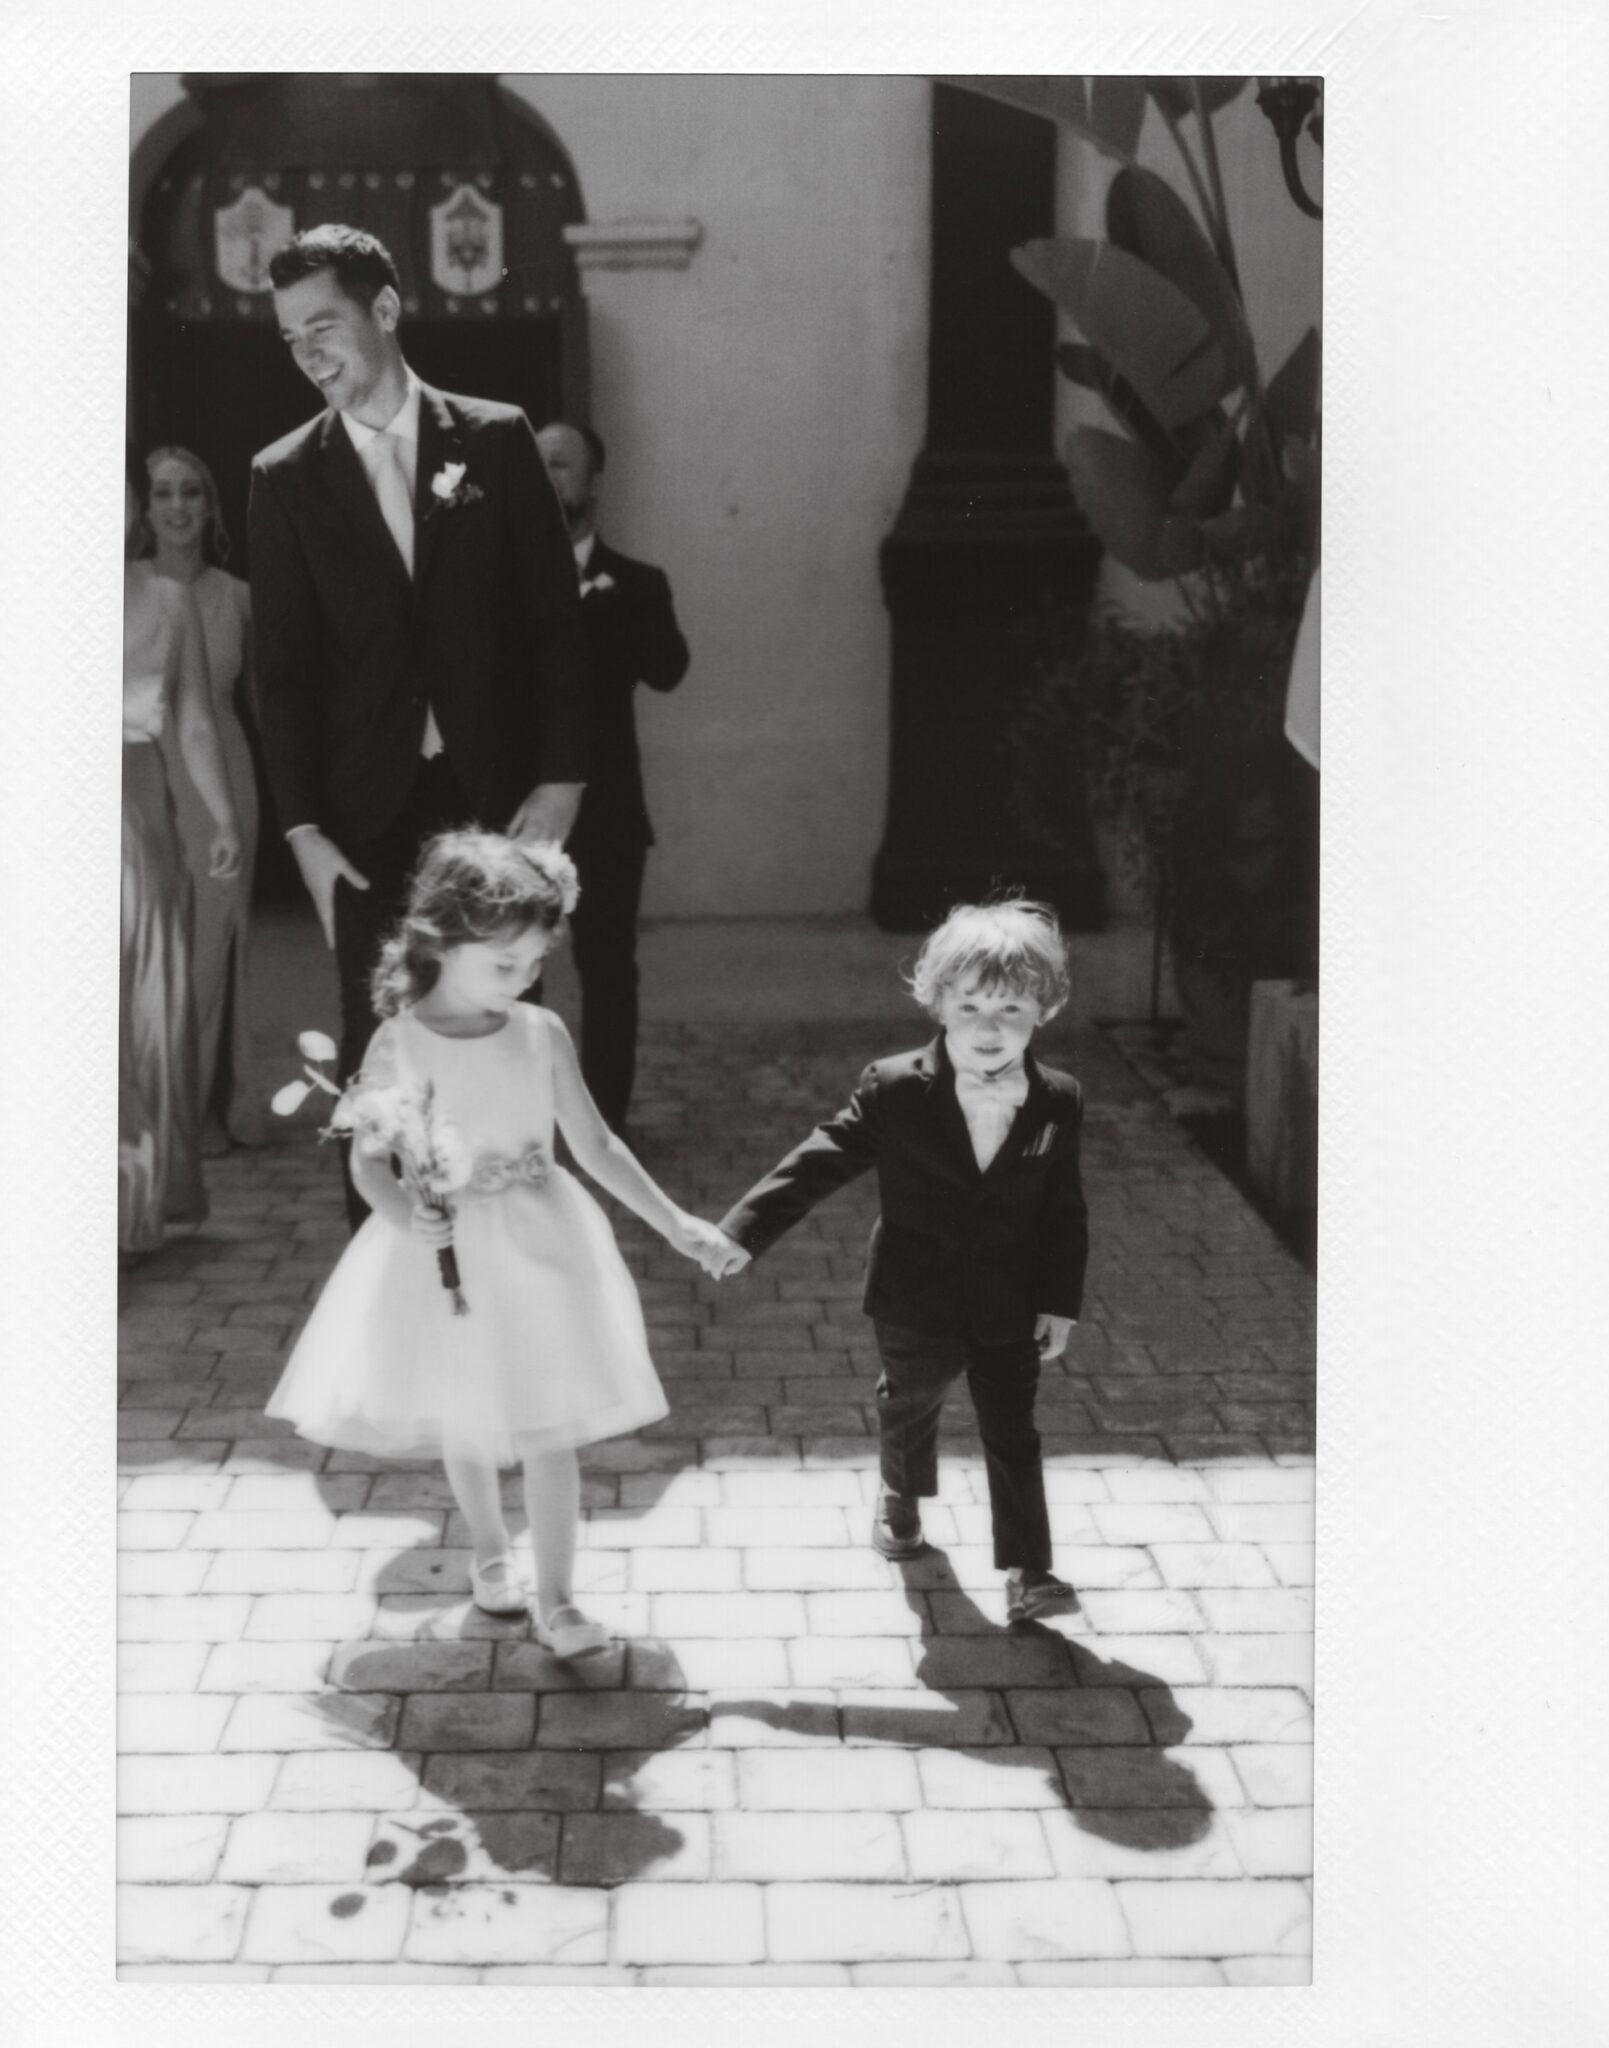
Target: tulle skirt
(552, 1350)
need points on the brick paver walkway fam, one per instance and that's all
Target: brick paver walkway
(805, 1765)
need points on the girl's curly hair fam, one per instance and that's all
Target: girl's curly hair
(470, 887)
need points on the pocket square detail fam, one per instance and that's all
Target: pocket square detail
(1042, 1143)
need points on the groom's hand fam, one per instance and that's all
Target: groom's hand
(322, 864)
(549, 812)
(1051, 1334)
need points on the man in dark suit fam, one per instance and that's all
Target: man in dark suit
(977, 1259)
(419, 655)
(632, 638)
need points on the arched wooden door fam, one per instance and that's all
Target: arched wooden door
(466, 186)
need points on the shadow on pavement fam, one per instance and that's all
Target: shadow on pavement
(506, 1740)
(1063, 1696)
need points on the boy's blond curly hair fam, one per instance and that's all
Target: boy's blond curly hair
(1012, 944)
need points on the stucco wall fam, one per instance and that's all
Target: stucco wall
(762, 410)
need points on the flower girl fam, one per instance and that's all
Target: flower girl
(535, 1343)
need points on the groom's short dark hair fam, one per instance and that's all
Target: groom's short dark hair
(361, 262)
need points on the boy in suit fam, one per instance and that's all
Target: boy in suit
(977, 1259)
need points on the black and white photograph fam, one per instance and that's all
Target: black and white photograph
(722, 693)
(744, 1366)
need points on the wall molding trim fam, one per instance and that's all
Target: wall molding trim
(634, 244)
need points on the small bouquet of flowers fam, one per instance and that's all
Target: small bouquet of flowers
(391, 1118)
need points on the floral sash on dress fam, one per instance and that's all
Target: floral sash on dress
(495, 1171)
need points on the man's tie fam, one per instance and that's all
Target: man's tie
(391, 489)
(389, 474)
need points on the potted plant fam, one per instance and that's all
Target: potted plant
(1206, 478)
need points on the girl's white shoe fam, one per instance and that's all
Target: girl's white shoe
(497, 1587)
(568, 1633)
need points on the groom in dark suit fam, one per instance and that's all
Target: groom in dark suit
(632, 638)
(419, 653)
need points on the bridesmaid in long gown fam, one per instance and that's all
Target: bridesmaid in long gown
(159, 1100)
(183, 519)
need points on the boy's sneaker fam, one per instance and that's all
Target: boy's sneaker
(897, 1526)
(1029, 1593)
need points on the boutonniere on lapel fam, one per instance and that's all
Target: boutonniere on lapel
(450, 487)
(602, 581)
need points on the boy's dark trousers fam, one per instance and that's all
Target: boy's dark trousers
(1003, 1379)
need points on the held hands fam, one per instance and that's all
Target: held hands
(322, 864)
(709, 1246)
(1051, 1334)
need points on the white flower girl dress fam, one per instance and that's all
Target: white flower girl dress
(553, 1346)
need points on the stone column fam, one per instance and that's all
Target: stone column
(987, 538)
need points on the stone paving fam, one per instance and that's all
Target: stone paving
(802, 1765)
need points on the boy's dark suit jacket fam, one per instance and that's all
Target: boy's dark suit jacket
(349, 651)
(632, 638)
(954, 1251)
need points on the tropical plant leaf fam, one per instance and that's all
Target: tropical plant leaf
(1087, 367)
(1193, 437)
(1297, 509)
(1208, 485)
(1180, 545)
(1147, 218)
(1299, 460)
(1290, 403)
(1124, 495)
(1146, 327)
(288, 1100)
(1241, 533)
(1174, 97)
(316, 1045)
(1261, 477)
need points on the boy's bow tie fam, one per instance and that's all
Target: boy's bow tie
(1008, 1088)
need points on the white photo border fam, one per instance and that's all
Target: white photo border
(1462, 1411)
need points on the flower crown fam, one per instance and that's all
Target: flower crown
(556, 868)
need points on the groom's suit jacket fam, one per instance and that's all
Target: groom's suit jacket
(350, 652)
(632, 638)
(954, 1251)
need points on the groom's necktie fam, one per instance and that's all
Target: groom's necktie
(388, 472)
(390, 479)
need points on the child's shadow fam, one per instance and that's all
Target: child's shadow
(522, 1780)
(1115, 1776)
(512, 1787)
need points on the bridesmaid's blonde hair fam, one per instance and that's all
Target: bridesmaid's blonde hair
(216, 532)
